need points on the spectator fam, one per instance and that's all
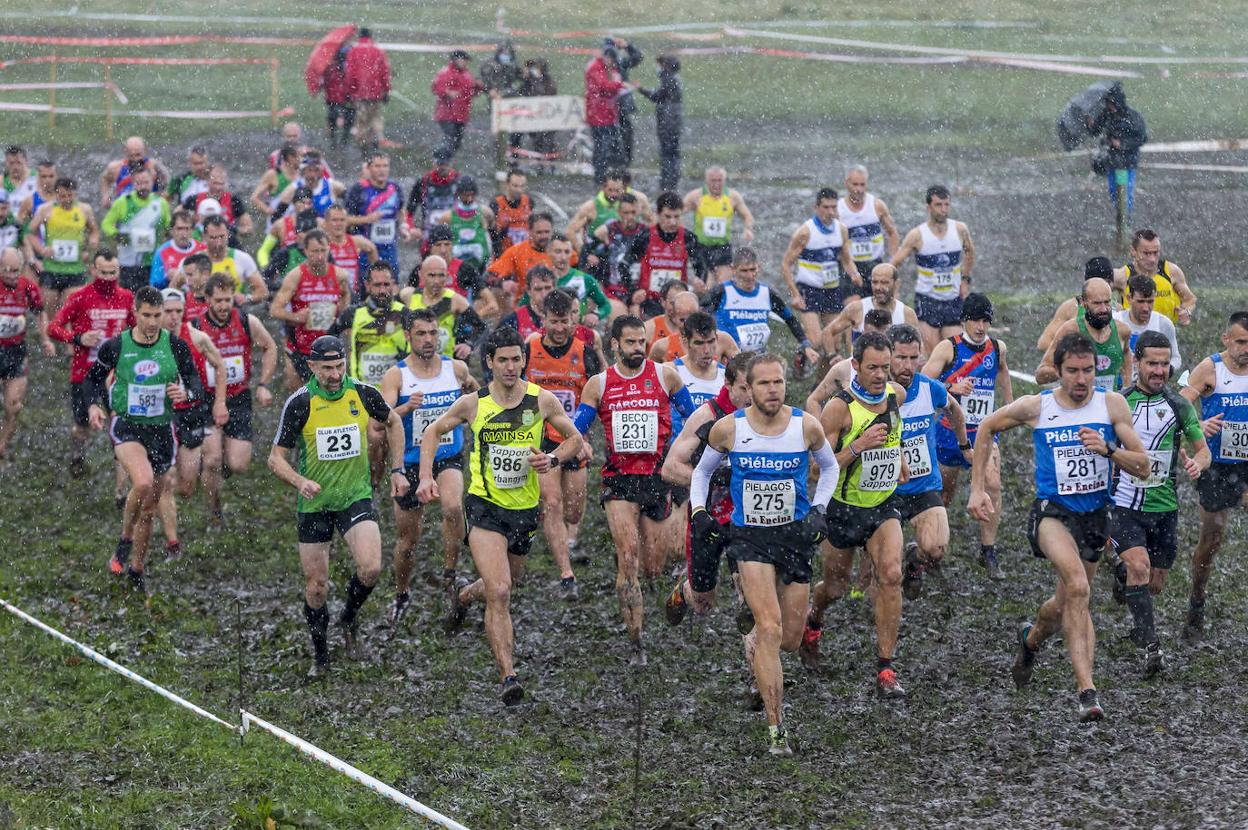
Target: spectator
(1124, 134)
(453, 89)
(603, 87)
(338, 106)
(668, 119)
(537, 82)
(627, 56)
(501, 77)
(368, 86)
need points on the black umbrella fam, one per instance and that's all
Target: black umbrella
(1084, 110)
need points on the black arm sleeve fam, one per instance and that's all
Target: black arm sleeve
(469, 277)
(693, 250)
(294, 416)
(374, 404)
(591, 360)
(343, 321)
(469, 327)
(186, 368)
(715, 299)
(96, 382)
(414, 197)
(781, 308)
(636, 250)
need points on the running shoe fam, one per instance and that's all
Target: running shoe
(912, 573)
(638, 657)
(887, 686)
(988, 558)
(455, 614)
(1024, 659)
(137, 582)
(116, 566)
(512, 692)
(401, 603)
(1194, 628)
(173, 551)
(1089, 707)
(675, 607)
(570, 590)
(353, 646)
(1154, 663)
(319, 669)
(778, 741)
(809, 649)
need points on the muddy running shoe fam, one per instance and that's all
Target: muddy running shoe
(912, 573)
(78, 467)
(1089, 707)
(1154, 664)
(638, 658)
(1024, 659)
(173, 551)
(137, 583)
(569, 589)
(753, 698)
(401, 603)
(675, 607)
(988, 559)
(1194, 628)
(319, 669)
(512, 692)
(809, 649)
(778, 741)
(887, 686)
(353, 646)
(456, 613)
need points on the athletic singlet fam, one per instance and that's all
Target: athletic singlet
(319, 293)
(745, 316)
(377, 341)
(512, 222)
(636, 419)
(1165, 298)
(1159, 420)
(980, 364)
(15, 194)
(1229, 398)
(712, 220)
(918, 434)
(866, 233)
(938, 263)
(386, 200)
(347, 257)
(1068, 473)
(769, 473)
(233, 341)
(819, 263)
(66, 239)
(564, 377)
(503, 441)
(869, 479)
(438, 393)
(868, 306)
(446, 320)
(140, 380)
(701, 390)
(469, 239)
(322, 197)
(1109, 355)
(664, 262)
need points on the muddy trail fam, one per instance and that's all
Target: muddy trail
(423, 711)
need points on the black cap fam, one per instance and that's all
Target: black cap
(301, 193)
(441, 155)
(460, 54)
(1098, 266)
(305, 220)
(440, 233)
(976, 307)
(327, 347)
(466, 183)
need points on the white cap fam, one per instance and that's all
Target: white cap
(209, 207)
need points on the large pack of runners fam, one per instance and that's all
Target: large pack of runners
(474, 382)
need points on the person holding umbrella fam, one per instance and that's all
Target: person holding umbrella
(326, 72)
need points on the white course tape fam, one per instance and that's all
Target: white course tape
(553, 205)
(189, 115)
(117, 667)
(1017, 375)
(1207, 168)
(351, 772)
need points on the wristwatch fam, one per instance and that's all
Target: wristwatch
(396, 471)
(554, 461)
(965, 446)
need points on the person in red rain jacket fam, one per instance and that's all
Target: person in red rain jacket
(338, 106)
(453, 90)
(368, 85)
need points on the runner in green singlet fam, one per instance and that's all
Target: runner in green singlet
(1110, 338)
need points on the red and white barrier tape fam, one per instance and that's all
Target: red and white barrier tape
(189, 115)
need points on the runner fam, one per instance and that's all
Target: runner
(837, 379)
(561, 363)
(1175, 299)
(825, 277)
(507, 419)
(1097, 266)
(236, 335)
(1140, 317)
(603, 207)
(92, 315)
(266, 198)
(873, 235)
(1220, 383)
(865, 427)
(774, 523)
(217, 200)
(918, 501)
(12, 232)
(512, 209)
(282, 248)
(464, 278)
(713, 207)
(118, 178)
(972, 366)
(1145, 516)
(373, 329)
(180, 245)
(376, 206)
(348, 250)
(1111, 338)
(742, 306)
(152, 370)
(459, 326)
(666, 324)
(883, 296)
(432, 194)
(667, 253)
(19, 296)
(325, 190)
(44, 192)
(1078, 429)
(312, 295)
(638, 396)
(612, 238)
(234, 263)
(325, 421)
(137, 222)
(193, 181)
(592, 304)
(943, 258)
(673, 346)
(507, 273)
(421, 388)
(18, 182)
(470, 224)
(63, 234)
(192, 280)
(527, 318)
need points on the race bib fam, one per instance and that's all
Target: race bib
(338, 443)
(831, 274)
(145, 400)
(634, 431)
(918, 457)
(943, 281)
(143, 240)
(1079, 471)
(321, 316)
(660, 277)
(422, 418)
(881, 469)
(382, 232)
(714, 227)
(444, 339)
(373, 365)
(1234, 444)
(978, 405)
(861, 249)
(753, 337)
(1158, 470)
(1107, 382)
(11, 325)
(566, 398)
(768, 502)
(64, 250)
(634, 272)
(234, 371)
(517, 234)
(510, 466)
(474, 250)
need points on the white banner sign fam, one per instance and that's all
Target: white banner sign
(539, 114)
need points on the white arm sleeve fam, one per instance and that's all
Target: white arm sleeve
(702, 477)
(829, 472)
